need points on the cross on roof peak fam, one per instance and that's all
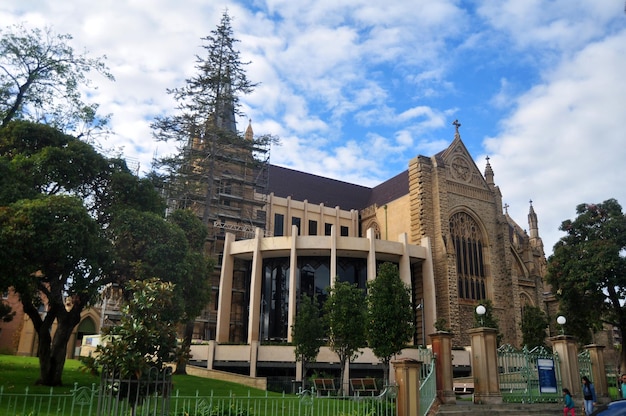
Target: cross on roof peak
(456, 124)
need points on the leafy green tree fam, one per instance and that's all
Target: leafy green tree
(144, 342)
(587, 271)
(147, 246)
(389, 314)
(533, 326)
(345, 311)
(51, 251)
(41, 77)
(195, 288)
(57, 198)
(172, 250)
(307, 333)
(37, 160)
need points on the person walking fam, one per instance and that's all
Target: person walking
(589, 395)
(569, 406)
(622, 387)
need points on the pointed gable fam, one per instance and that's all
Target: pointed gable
(460, 166)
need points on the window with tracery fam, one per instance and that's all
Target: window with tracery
(468, 246)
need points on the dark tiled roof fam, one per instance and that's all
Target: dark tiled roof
(316, 189)
(299, 186)
(390, 190)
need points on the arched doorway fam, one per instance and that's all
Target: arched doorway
(86, 327)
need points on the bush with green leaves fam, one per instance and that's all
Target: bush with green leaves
(135, 353)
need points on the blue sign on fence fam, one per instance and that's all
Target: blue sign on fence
(547, 376)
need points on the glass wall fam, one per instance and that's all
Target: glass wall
(353, 271)
(312, 279)
(274, 299)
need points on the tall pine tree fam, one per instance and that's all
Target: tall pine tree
(204, 125)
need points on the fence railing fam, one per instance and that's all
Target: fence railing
(87, 401)
(153, 396)
(428, 380)
(519, 375)
(80, 401)
(584, 364)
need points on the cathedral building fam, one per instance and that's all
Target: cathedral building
(441, 221)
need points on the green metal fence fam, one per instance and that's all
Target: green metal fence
(428, 380)
(83, 401)
(584, 364)
(128, 397)
(519, 375)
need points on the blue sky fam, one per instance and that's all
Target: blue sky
(356, 88)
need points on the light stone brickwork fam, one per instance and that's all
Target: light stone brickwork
(514, 263)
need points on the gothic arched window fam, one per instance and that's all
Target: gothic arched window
(468, 246)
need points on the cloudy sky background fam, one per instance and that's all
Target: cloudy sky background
(356, 88)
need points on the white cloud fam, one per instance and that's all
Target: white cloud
(355, 89)
(564, 144)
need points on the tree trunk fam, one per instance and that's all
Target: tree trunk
(43, 352)
(386, 372)
(305, 370)
(52, 350)
(342, 362)
(185, 349)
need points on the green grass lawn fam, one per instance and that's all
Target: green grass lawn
(19, 373)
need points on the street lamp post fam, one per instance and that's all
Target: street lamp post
(480, 311)
(561, 321)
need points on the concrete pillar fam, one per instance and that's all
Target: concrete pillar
(256, 279)
(299, 371)
(428, 286)
(254, 357)
(485, 366)
(333, 254)
(226, 292)
(405, 260)
(565, 347)
(210, 355)
(442, 348)
(598, 371)
(407, 373)
(371, 255)
(293, 269)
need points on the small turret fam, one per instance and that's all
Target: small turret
(249, 134)
(489, 173)
(532, 221)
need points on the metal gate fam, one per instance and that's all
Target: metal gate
(584, 364)
(428, 380)
(519, 375)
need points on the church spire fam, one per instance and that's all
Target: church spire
(532, 221)
(535, 240)
(489, 173)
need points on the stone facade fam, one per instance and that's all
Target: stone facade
(450, 183)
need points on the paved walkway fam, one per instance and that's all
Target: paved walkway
(517, 409)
